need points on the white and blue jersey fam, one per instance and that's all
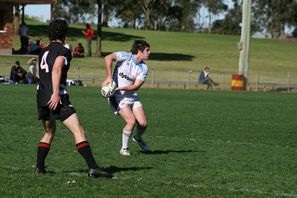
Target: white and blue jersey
(126, 71)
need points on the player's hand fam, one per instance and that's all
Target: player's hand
(54, 101)
(106, 81)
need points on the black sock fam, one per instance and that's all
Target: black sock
(42, 151)
(85, 150)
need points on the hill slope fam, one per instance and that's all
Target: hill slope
(173, 51)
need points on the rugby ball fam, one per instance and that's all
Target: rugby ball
(108, 89)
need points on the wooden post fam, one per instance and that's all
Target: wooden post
(245, 38)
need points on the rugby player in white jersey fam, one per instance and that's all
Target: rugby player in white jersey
(129, 73)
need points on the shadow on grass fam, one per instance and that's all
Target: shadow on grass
(42, 30)
(158, 152)
(170, 57)
(159, 56)
(114, 169)
(110, 169)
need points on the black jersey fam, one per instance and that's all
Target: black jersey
(47, 57)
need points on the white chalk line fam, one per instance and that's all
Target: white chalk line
(231, 189)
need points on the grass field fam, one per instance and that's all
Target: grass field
(204, 144)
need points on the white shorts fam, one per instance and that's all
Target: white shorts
(119, 101)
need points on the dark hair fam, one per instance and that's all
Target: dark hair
(88, 26)
(57, 30)
(139, 45)
(17, 62)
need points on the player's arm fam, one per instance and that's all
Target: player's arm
(133, 87)
(56, 77)
(108, 67)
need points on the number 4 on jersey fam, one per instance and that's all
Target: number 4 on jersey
(43, 64)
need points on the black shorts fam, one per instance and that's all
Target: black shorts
(62, 112)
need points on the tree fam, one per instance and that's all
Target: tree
(180, 16)
(129, 11)
(214, 7)
(74, 10)
(231, 23)
(274, 15)
(155, 19)
(147, 8)
(99, 28)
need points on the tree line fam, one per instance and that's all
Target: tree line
(271, 16)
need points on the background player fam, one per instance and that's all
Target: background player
(129, 74)
(53, 100)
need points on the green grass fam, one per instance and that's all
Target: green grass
(176, 52)
(205, 144)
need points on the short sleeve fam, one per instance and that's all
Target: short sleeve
(143, 72)
(121, 56)
(67, 55)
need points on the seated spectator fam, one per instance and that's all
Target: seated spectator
(34, 48)
(2, 79)
(32, 74)
(79, 51)
(205, 78)
(17, 73)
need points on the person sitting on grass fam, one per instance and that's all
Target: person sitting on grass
(17, 73)
(79, 51)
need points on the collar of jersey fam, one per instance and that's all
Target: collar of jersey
(135, 62)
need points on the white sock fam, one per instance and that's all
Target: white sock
(125, 138)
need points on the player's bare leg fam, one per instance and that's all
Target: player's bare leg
(44, 145)
(140, 128)
(72, 123)
(130, 120)
(83, 147)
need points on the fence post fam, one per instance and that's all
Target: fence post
(189, 78)
(289, 82)
(153, 78)
(223, 81)
(78, 74)
(257, 81)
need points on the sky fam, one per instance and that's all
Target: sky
(41, 11)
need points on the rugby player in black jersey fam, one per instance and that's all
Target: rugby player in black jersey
(53, 101)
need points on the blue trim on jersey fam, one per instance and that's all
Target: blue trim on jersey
(136, 63)
(115, 76)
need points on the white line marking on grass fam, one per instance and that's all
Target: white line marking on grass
(275, 193)
(76, 174)
(14, 168)
(220, 141)
(246, 190)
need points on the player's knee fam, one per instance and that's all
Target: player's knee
(50, 133)
(131, 122)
